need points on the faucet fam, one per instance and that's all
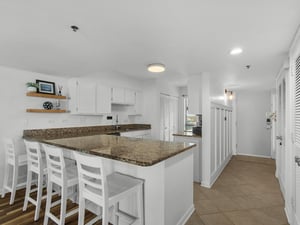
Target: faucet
(117, 127)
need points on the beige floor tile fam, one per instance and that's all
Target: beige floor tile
(194, 220)
(215, 219)
(246, 193)
(268, 216)
(242, 218)
(206, 207)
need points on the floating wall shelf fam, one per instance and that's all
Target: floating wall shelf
(34, 94)
(46, 110)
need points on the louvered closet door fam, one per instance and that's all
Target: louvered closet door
(297, 137)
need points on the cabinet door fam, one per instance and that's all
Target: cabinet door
(103, 99)
(129, 97)
(86, 98)
(195, 95)
(118, 95)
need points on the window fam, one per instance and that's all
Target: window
(190, 120)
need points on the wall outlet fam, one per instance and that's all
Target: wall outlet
(109, 117)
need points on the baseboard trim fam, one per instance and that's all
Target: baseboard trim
(288, 215)
(218, 172)
(253, 155)
(187, 215)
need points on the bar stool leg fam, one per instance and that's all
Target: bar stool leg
(63, 205)
(105, 215)
(48, 203)
(140, 205)
(28, 188)
(14, 184)
(5, 181)
(38, 197)
(81, 212)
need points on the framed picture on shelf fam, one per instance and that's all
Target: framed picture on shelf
(46, 87)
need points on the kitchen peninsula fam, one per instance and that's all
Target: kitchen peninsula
(166, 167)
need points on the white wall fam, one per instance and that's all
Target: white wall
(252, 136)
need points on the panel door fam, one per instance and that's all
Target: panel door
(86, 98)
(103, 99)
(118, 95)
(296, 97)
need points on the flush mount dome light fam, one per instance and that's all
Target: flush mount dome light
(236, 51)
(156, 68)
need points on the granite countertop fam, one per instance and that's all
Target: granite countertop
(140, 152)
(187, 134)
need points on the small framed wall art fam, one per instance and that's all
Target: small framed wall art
(46, 87)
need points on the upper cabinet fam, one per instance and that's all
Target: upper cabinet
(88, 98)
(137, 108)
(122, 96)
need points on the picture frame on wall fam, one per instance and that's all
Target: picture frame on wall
(46, 87)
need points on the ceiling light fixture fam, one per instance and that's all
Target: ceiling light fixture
(156, 68)
(236, 51)
(74, 28)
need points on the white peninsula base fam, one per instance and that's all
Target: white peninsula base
(168, 188)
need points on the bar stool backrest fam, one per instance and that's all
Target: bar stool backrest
(9, 147)
(55, 164)
(92, 179)
(34, 156)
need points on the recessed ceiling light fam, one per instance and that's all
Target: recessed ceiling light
(236, 51)
(156, 68)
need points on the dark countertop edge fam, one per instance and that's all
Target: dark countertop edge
(134, 162)
(188, 135)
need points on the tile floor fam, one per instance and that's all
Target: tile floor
(246, 193)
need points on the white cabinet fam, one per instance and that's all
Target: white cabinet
(137, 108)
(143, 134)
(129, 97)
(88, 98)
(197, 154)
(103, 99)
(122, 96)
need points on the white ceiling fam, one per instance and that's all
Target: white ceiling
(188, 36)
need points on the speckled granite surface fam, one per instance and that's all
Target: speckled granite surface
(187, 134)
(132, 150)
(54, 133)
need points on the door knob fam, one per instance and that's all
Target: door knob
(297, 160)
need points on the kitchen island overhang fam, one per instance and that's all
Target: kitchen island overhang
(166, 168)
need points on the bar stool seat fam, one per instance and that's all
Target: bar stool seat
(15, 160)
(63, 176)
(107, 191)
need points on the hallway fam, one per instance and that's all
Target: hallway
(246, 193)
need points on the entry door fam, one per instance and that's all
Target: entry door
(280, 129)
(296, 96)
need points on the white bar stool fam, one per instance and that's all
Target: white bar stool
(106, 191)
(63, 177)
(16, 160)
(36, 165)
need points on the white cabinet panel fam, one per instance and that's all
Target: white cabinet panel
(117, 95)
(195, 94)
(197, 154)
(103, 99)
(88, 98)
(129, 97)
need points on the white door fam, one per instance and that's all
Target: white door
(296, 96)
(280, 129)
(168, 117)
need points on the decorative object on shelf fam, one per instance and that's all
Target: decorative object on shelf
(60, 87)
(32, 87)
(57, 104)
(48, 105)
(46, 87)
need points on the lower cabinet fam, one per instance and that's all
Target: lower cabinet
(143, 134)
(197, 154)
